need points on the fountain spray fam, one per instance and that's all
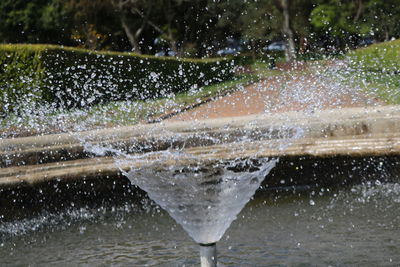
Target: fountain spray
(203, 197)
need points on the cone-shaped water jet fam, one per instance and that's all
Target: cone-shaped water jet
(203, 197)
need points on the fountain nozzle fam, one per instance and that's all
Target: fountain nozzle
(208, 255)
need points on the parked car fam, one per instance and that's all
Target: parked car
(365, 42)
(276, 46)
(168, 53)
(229, 51)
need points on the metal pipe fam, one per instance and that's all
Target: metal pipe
(208, 255)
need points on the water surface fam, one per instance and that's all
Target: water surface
(357, 226)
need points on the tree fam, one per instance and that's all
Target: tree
(253, 21)
(259, 22)
(300, 10)
(95, 24)
(342, 22)
(33, 21)
(134, 16)
(287, 30)
(383, 16)
(164, 19)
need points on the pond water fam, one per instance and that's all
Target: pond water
(355, 226)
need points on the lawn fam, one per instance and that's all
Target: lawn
(376, 68)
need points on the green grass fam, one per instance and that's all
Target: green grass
(376, 68)
(385, 86)
(377, 57)
(262, 69)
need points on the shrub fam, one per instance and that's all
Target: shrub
(65, 77)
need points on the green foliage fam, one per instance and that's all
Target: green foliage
(197, 28)
(114, 114)
(69, 78)
(33, 21)
(338, 18)
(383, 16)
(386, 86)
(243, 59)
(21, 73)
(323, 15)
(252, 20)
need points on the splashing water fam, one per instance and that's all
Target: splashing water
(54, 221)
(203, 199)
(204, 194)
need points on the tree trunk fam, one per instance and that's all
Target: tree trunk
(253, 50)
(303, 45)
(288, 32)
(131, 36)
(386, 35)
(360, 8)
(172, 42)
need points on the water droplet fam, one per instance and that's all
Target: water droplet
(82, 229)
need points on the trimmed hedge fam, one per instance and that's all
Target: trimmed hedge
(67, 77)
(381, 57)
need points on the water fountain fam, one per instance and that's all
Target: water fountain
(204, 177)
(202, 197)
(204, 188)
(205, 193)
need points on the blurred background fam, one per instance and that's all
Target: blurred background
(202, 28)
